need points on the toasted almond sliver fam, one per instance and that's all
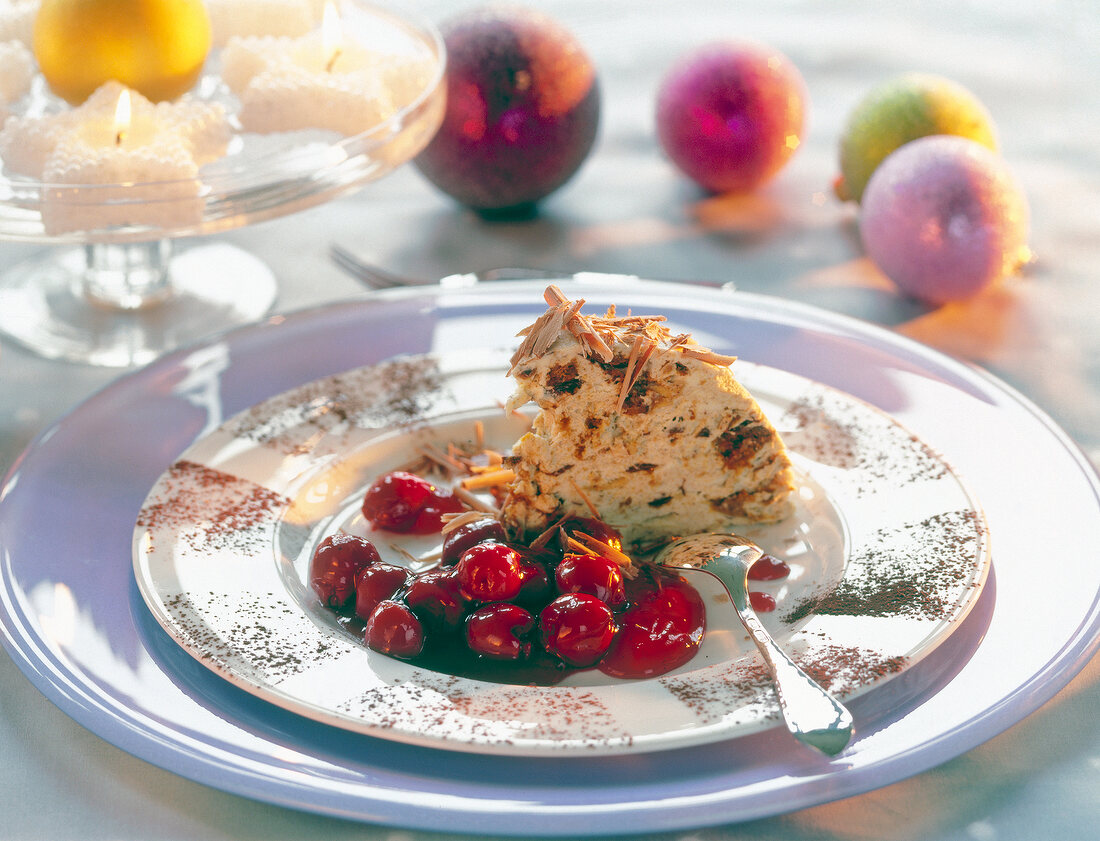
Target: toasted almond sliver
(405, 553)
(432, 453)
(490, 479)
(474, 502)
(456, 520)
(573, 543)
(628, 374)
(554, 296)
(710, 356)
(549, 332)
(547, 534)
(584, 497)
(605, 549)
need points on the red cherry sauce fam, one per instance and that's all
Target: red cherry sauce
(761, 602)
(660, 631)
(768, 568)
(406, 503)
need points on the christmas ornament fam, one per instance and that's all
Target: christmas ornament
(523, 106)
(944, 218)
(903, 109)
(156, 47)
(730, 115)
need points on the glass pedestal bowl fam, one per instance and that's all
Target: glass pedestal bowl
(122, 294)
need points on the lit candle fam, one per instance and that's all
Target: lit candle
(321, 80)
(123, 117)
(332, 37)
(138, 163)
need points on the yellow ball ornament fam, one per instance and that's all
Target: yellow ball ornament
(156, 47)
(898, 111)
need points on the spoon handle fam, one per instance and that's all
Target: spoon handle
(812, 715)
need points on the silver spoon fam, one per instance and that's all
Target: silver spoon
(812, 715)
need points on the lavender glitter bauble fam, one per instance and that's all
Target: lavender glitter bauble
(730, 115)
(944, 218)
(523, 107)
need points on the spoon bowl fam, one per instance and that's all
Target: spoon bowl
(811, 714)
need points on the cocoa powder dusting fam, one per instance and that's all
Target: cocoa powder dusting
(829, 431)
(433, 701)
(838, 668)
(841, 668)
(255, 640)
(394, 393)
(210, 509)
(917, 570)
(712, 698)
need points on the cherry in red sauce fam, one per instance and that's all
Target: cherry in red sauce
(336, 562)
(405, 503)
(577, 628)
(768, 568)
(458, 540)
(593, 528)
(536, 589)
(660, 631)
(592, 574)
(499, 631)
(437, 599)
(490, 572)
(394, 629)
(475, 614)
(375, 584)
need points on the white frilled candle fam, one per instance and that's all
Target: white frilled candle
(322, 80)
(16, 72)
(17, 20)
(276, 18)
(118, 160)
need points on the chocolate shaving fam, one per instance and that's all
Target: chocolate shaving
(628, 375)
(597, 336)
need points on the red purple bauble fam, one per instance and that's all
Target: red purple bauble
(730, 115)
(523, 106)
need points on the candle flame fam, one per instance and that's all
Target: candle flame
(122, 117)
(332, 36)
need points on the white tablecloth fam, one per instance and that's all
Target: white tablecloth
(1035, 65)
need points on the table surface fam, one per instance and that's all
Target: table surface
(1035, 66)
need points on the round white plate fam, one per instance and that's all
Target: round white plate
(75, 623)
(887, 551)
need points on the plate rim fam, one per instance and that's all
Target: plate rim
(183, 759)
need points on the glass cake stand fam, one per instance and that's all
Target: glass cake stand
(121, 295)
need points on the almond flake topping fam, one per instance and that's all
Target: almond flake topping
(597, 336)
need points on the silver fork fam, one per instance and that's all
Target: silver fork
(376, 278)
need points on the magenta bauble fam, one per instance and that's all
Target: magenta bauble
(523, 107)
(944, 218)
(730, 115)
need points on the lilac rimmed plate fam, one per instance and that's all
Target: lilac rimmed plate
(74, 621)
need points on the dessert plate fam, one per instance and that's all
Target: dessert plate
(75, 623)
(887, 551)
